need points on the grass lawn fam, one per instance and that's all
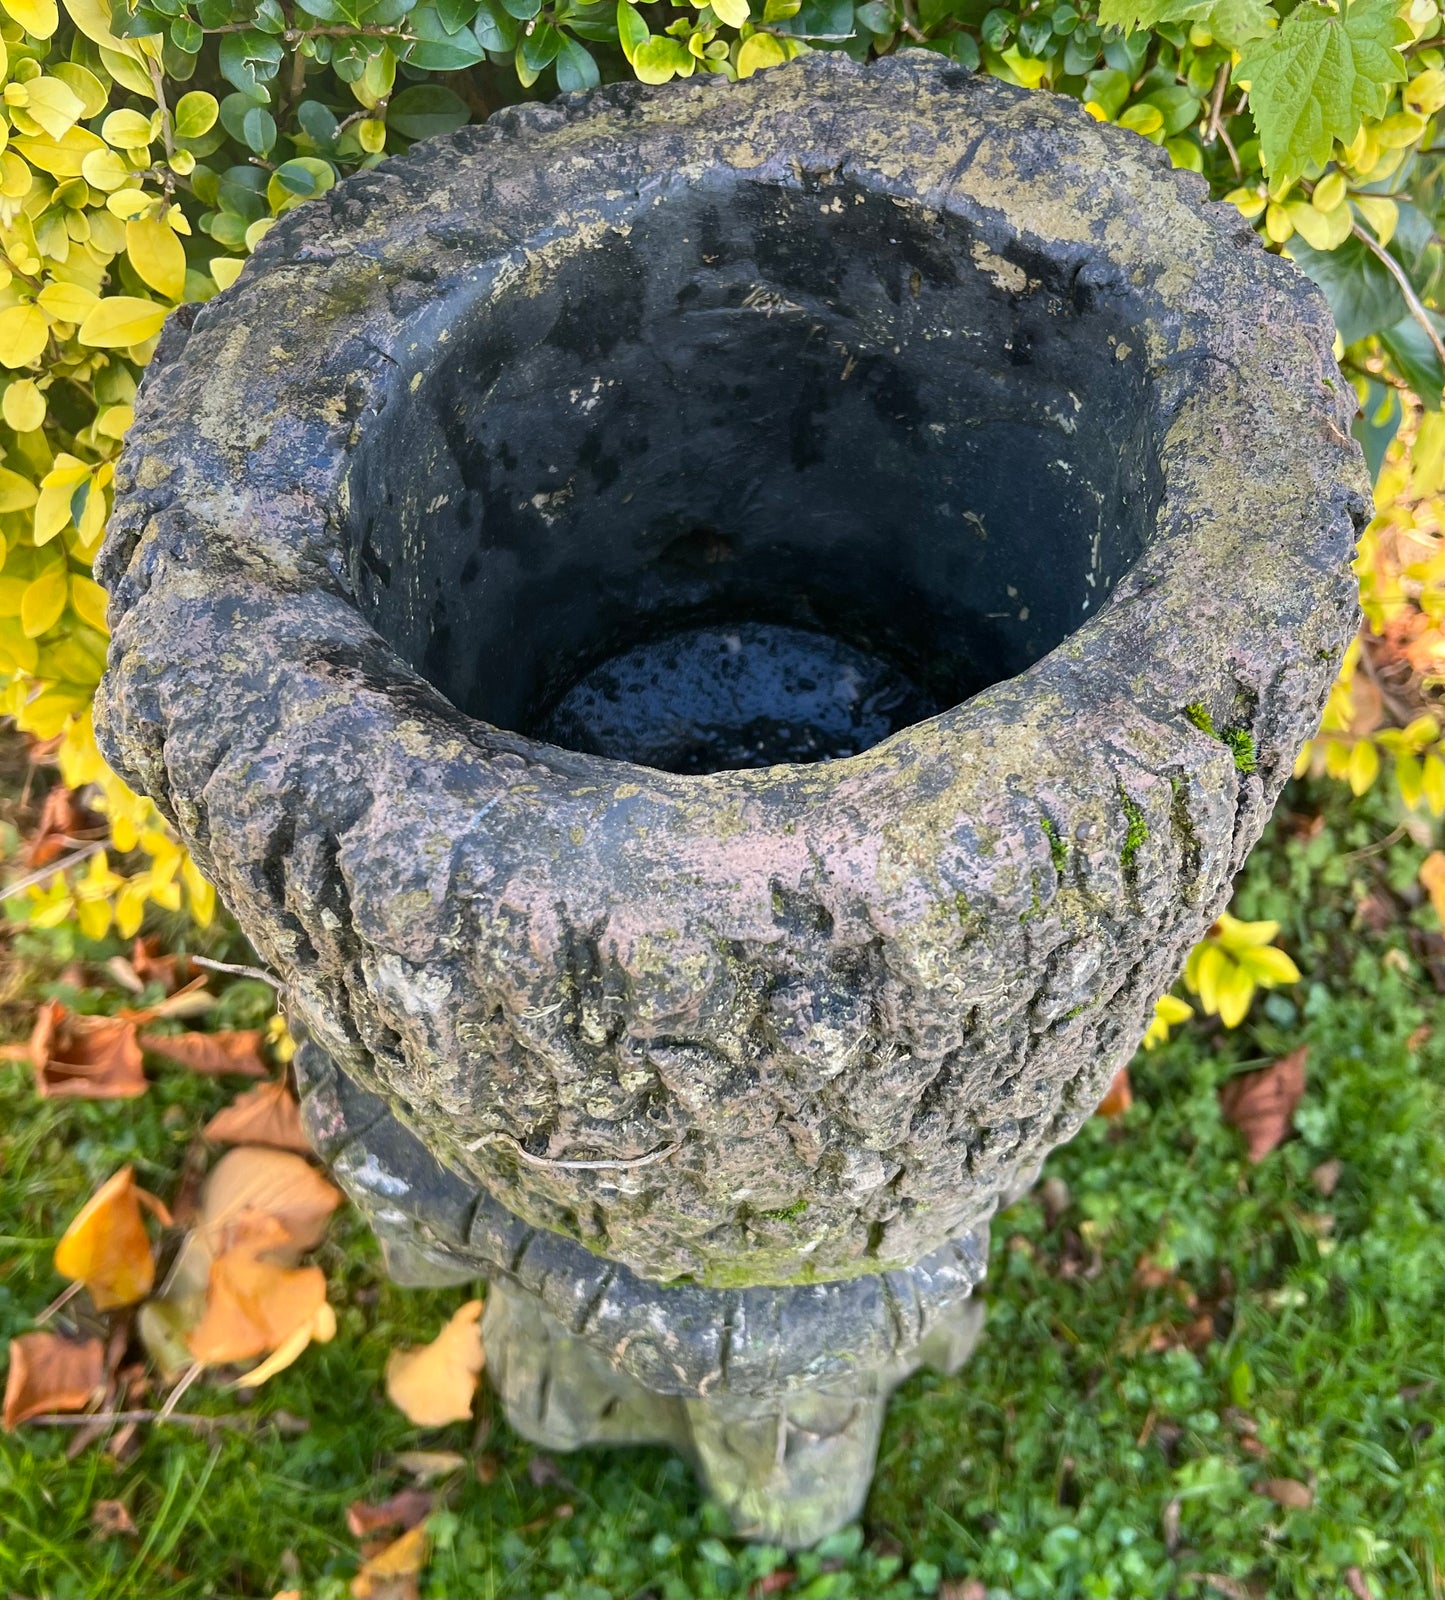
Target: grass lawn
(1111, 1437)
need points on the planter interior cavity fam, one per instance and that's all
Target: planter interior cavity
(761, 477)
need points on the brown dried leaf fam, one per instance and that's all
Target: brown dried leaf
(50, 1373)
(107, 1248)
(402, 1510)
(267, 1114)
(392, 1573)
(1262, 1104)
(434, 1383)
(171, 971)
(62, 819)
(1326, 1176)
(1287, 1492)
(1119, 1097)
(85, 1058)
(110, 1518)
(214, 1054)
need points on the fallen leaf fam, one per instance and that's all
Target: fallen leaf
(255, 1305)
(214, 1054)
(1262, 1104)
(402, 1510)
(1326, 1176)
(963, 1589)
(1287, 1492)
(321, 1329)
(267, 1114)
(424, 1465)
(110, 1518)
(171, 971)
(1119, 1097)
(272, 1181)
(85, 1058)
(434, 1383)
(51, 1373)
(392, 1573)
(62, 820)
(1432, 879)
(107, 1248)
(1355, 1583)
(775, 1581)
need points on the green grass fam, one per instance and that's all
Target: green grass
(1068, 1459)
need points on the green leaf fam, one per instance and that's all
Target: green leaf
(494, 29)
(426, 109)
(1363, 296)
(1414, 355)
(540, 46)
(435, 49)
(632, 31)
(576, 70)
(1235, 22)
(1317, 77)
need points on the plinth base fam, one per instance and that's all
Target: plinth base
(790, 1469)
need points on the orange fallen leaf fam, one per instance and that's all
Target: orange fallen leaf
(1262, 1104)
(1432, 879)
(214, 1054)
(85, 1058)
(255, 1305)
(267, 1114)
(402, 1510)
(433, 1384)
(1119, 1097)
(50, 1373)
(391, 1574)
(62, 819)
(107, 1248)
(276, 1182)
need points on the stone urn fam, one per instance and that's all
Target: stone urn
(726, 641)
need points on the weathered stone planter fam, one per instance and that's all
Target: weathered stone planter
(890, 423)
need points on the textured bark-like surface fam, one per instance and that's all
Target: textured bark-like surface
(911, 360)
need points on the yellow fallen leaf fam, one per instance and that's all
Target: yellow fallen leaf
(1432, 877)
(321, 1328)
(402, 1558)
(272, 1181)
(107, 1248)
(434, 1383)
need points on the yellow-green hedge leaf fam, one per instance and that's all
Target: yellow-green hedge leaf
(23, 335)
(43, 603)
(157, 255)
(39, 18)
(67, 302)
(23, 406)
(121, 320)
(195, 114)
(16, 493)
(762, 50)
(89, 600)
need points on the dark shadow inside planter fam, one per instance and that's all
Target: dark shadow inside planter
(759, 475)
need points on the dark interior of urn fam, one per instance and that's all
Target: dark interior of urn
(760, 475)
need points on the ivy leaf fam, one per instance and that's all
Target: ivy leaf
(1363, 296)
(1235, 22)
(1318, 76)
(1133, 14)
